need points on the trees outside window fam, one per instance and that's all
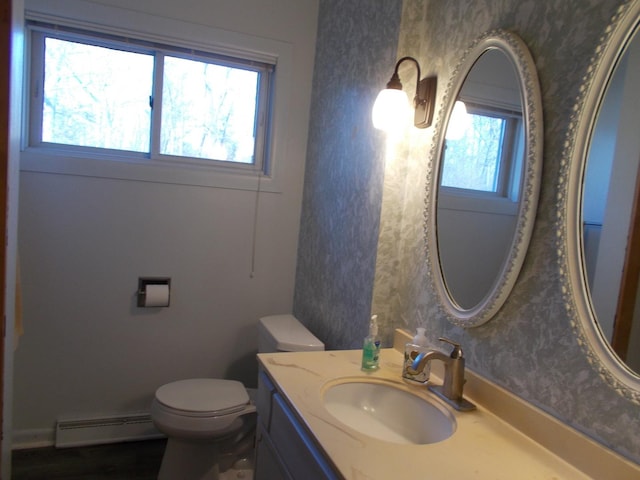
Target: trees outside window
(101, 93)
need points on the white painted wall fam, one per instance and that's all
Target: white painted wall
(84, 241)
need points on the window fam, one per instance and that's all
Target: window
(96, 94)
(484, 160)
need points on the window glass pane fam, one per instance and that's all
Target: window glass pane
(96, 96)
(473, 161)
(208, 111)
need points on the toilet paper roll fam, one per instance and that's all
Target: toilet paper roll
(157, 296)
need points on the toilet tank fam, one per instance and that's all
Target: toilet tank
(285, 333)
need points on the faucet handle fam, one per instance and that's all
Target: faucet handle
(457, 351)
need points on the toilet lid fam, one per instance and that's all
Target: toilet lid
(204, 395)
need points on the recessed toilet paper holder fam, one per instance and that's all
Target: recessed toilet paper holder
(143, 282)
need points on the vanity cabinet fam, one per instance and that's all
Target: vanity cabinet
(268, 465)
(285, 449)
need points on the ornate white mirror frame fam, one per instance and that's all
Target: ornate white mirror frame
(577, 297)
(517, 53)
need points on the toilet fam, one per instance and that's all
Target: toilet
(203, 417)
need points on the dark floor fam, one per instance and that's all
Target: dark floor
(119, 461)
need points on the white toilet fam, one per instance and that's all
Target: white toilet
(201, 416)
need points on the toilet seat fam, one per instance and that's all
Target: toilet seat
(203, 397)
(201, 408)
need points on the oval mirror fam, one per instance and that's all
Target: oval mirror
(488, 162)
(600, 212)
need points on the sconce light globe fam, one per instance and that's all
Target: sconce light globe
(391, 110)
(459, 122)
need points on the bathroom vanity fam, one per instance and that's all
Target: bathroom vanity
(285, 449)
(300, 438)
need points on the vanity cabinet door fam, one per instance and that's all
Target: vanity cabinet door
(263, 400)
(268, 464)
(295, 446)
(285, 450)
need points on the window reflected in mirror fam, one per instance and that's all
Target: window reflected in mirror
(486, 155)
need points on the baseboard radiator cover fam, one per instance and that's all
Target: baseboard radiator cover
(109, 429)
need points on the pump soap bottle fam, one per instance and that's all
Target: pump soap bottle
(413, 353)
(371, 347)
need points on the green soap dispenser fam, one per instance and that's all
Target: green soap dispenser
(371, 347)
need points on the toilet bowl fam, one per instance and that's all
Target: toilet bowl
(204, 418)
(199, 416)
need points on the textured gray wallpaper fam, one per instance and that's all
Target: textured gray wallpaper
(529, 347)
(355, 190)
(356, 51)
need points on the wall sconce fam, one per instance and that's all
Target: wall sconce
(390, 111)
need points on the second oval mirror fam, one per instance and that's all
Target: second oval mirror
(487, 177)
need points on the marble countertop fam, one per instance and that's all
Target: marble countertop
(484, 446)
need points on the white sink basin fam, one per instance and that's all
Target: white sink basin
(389, 413)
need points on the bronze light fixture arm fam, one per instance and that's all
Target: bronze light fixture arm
(424, 99)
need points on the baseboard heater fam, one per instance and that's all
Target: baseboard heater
(95, 431)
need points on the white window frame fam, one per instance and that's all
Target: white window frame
(39, 32)
(114, 22)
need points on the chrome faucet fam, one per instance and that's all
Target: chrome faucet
(451, 389)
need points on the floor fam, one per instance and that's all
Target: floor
(119, 461)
